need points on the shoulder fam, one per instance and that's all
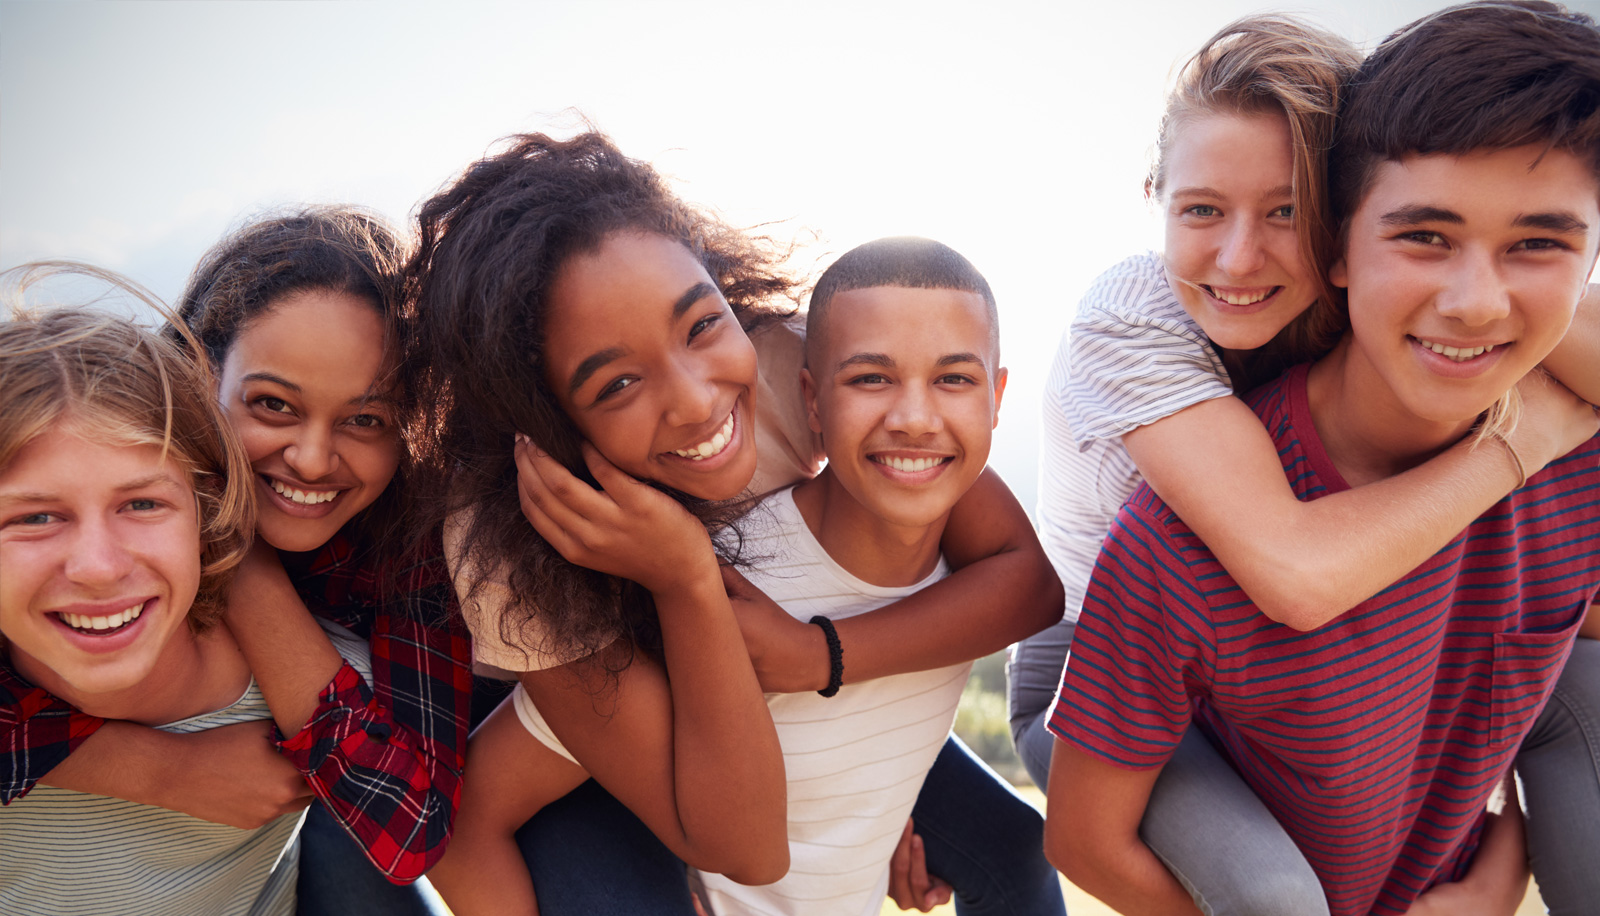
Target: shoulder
(1134, 291)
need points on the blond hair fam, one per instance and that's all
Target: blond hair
(109, 377)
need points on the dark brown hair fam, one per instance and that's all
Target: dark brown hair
(491, 245)
(114, 381)
(905, 261)
(1274, 64)
(1479, 76)
(340, 249)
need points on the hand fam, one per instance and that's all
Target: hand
(910, 885)
(627, 529)
(1459, 898)
(1554, 421)
(789, 656)
(233, 775)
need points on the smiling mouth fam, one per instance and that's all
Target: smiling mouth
(909, 465)
(1248, 298)
(712, 446)
(299, 496)
(1455, 354)
(101, 625)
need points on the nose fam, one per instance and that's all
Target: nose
(311, 455)
(1474, 292)
(1242, 253)
(692, 393)
(914, 412)
(99, 556)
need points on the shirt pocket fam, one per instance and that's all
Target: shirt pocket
(1526, 666)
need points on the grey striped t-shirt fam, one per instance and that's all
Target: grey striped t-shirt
(1131, 357)
(65, 852)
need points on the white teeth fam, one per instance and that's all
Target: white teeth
(910, 465)
(303, 497)
(1241, 298)
(712, 446)
(82, 622)
(1458, 354)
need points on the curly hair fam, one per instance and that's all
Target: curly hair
(342, 249)
(491, 245)
(1279, 64)
(118, 382)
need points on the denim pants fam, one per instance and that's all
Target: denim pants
(1558, 773)
(336, 879)
(984, 840)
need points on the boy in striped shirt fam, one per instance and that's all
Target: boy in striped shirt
(1470, 201)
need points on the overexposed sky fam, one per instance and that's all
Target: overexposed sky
(133, 134)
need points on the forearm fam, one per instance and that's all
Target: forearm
(291, 657)
(728, 773)
(366, 742)
(123, 760)
(1003, 589)
(1127, 877)
(1304, 563)
(1575, 361)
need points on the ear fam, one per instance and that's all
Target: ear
(1339, 274)
(808, 390)
(1000, 376)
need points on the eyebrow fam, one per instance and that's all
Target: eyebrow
(1561, 221)
(159, 478)
(955, 358)
(1281, 190)
(1413, 214)
(881, 360)
(692, 295)
(366, 398)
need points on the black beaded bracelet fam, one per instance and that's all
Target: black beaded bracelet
(835, 656)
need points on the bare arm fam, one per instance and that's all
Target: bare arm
(1091, 833)
(1575, 361)
(698, 761)
(230, 775)
(289, 654)
(510, 777)
(1305, 563)
(1004, 589)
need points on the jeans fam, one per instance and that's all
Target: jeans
(1203, 821)
(590, 856)
(982, 838)
(1558, 772)
(336, 879)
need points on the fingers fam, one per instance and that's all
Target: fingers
(561, 497)
(921, 888)
(900, 871)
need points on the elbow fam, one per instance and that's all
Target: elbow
(1061, 851)
(1301, 613)
(754, 867)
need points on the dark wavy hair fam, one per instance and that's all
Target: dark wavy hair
(341, 249)
(491, 245)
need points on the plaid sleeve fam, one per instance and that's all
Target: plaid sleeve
(386, 758)
(37, 732)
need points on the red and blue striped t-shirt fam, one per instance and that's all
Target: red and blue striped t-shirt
(1377, 739)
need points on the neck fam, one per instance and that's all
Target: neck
(1367, 430)
(869, 547)
(195, 674)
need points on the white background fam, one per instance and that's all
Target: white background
(134, 134)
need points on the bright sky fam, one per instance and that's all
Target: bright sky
(134, 134)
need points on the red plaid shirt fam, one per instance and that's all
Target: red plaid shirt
(385, 758)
